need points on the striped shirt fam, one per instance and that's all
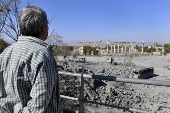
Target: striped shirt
(28, 78)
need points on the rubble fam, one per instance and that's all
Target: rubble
(120, 94)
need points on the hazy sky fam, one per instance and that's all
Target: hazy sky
(113, 20)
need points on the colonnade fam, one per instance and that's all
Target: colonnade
(116, 47)
(122, 47)
(94, 44)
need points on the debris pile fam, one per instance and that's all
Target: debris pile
(109, 92)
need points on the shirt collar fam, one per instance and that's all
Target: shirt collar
(34, 39)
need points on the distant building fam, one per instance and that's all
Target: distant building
(150, 46)
(78, 49)
(158, 47)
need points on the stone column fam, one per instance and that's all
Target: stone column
(114, 48)
(122, 49)
(74, 50)
(125, 48)
(111, 49)
(118, 48)
(142, 46)
(133, 48)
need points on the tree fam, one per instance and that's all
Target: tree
(3, 45)
(2, 20)
(149, 50)
(58, 46)
(138, 48)
(9, 12)
(54, 39)
(88, 49)
(167, 48)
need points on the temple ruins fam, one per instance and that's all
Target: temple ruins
(112, 47)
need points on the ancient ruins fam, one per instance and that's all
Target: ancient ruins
(115, 47)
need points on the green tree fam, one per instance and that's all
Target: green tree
(88, 49)
(3, 45)
(167, 48)
(149, 50)
(138, 48)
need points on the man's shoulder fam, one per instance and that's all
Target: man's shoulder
(28, 49)
(27, 46)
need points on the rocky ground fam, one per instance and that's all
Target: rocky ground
(136, 96)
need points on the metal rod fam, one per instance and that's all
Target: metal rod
(81, 94)
(69, 73)
(119, 107)
(65, 110)
(120, 79)
(67, 97)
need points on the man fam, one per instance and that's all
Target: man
(28, 73)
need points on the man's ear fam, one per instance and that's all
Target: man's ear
(43, 28)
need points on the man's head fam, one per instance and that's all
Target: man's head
(33, 22)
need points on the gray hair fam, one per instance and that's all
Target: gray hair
(31, 20)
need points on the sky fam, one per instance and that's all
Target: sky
(114, 20)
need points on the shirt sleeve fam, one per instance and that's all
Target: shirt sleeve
(42, 88)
